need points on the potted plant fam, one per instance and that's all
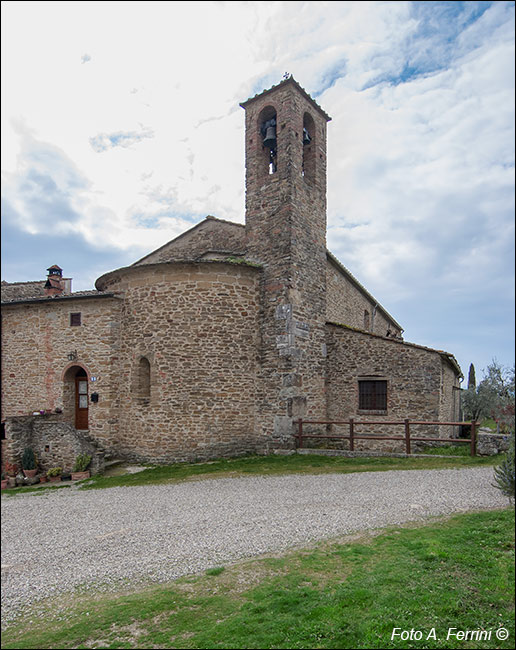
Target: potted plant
(29, 463)
(4, 481)
(43, 478)
(54, 474)
(79, 470)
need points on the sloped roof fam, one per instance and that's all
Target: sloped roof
(91, 293)
(23, 292)
(292, 81)
(185, 247)
(12, 291)
(210, 234)
(346, 273)
(180, 249)
(448, 356)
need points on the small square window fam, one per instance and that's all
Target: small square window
(75, 319)
(372, 395)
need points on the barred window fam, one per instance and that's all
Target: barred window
(372, 395)
(75, 319)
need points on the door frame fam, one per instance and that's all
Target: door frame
(81, 413)
(70, 391)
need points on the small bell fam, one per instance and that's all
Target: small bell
(270, 137)
(306, 137)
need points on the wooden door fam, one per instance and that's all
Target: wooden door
(81, 402)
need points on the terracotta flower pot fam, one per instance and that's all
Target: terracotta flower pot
(43, 478)
(54, 479)
(4, 484)
(30, 473)
(78, 476)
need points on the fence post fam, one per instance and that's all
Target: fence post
(300, 432)
(473, 438)
(351, 434)
(407, 436)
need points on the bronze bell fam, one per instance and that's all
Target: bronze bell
(306, 137)
(270, 137)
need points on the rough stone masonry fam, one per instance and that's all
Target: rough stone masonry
(218, 341)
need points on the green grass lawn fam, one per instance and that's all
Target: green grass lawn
(348, 593)
(278, 464)
(273, 465)
(449, 450)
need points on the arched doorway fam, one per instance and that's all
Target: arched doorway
(76, 396)
(81, 399)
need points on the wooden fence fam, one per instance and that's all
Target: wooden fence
(407, 437)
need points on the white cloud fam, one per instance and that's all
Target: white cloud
(104, 141)
(423, 162)
(148, 137)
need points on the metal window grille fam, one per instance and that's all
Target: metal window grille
(372, 395)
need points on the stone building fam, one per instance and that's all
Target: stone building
(217, 342)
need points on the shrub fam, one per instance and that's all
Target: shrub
(54, 471)
(504, 473)
(29, 459)
(81, 463)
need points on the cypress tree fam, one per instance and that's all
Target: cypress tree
(29, 459)
(472, 381)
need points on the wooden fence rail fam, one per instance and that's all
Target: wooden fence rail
(407, 437)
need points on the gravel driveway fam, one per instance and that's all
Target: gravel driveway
(55, 541)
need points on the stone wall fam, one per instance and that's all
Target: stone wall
(55, 443)
(286, 233)
(449, 403)
(36, 341)
(347, 304)
(491, 444)
(196, 326)
(196, 359)
(414, 382)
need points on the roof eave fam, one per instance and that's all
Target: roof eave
(51, 299)
(292, 81)
(361, 288)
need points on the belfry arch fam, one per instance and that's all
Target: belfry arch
(267, 134)
(309, 147)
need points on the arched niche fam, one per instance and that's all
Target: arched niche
(143, 378)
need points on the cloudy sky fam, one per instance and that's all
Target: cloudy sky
(121, 128)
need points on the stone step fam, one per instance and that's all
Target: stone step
(112, 462)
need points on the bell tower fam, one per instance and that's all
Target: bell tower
(286, 233)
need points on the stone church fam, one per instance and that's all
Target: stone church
(217, 342)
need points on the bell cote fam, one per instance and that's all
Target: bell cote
(285, 146)
(285, 136)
